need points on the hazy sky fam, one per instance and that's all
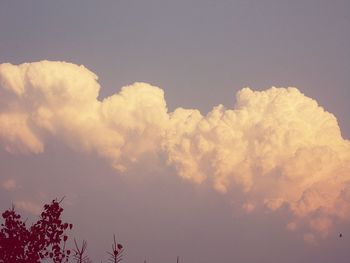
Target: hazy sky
(129, 171)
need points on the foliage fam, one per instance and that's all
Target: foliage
(46, 239)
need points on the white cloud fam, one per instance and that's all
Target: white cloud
(278, 146)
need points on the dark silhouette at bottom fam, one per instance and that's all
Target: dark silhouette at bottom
(44, 240)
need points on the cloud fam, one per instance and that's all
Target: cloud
(28, 206)
(45, 99)
(310, 239)
(248, 207)
(9, 184)
(277, 148)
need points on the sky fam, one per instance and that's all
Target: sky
(209, 130)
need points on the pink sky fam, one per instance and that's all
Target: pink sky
(212, 131)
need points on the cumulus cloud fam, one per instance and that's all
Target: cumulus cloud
(279, 148)
(45, 99)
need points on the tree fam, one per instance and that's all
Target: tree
(79, 252)
(46, 239)
(117, 252)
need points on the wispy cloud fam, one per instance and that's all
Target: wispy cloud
(28, 206)
(9, 184)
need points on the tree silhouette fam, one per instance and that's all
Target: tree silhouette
(117, 252)
(79, 252)
(46, 239)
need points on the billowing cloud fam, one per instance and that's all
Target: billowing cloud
(277, 147)
(45, 99)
